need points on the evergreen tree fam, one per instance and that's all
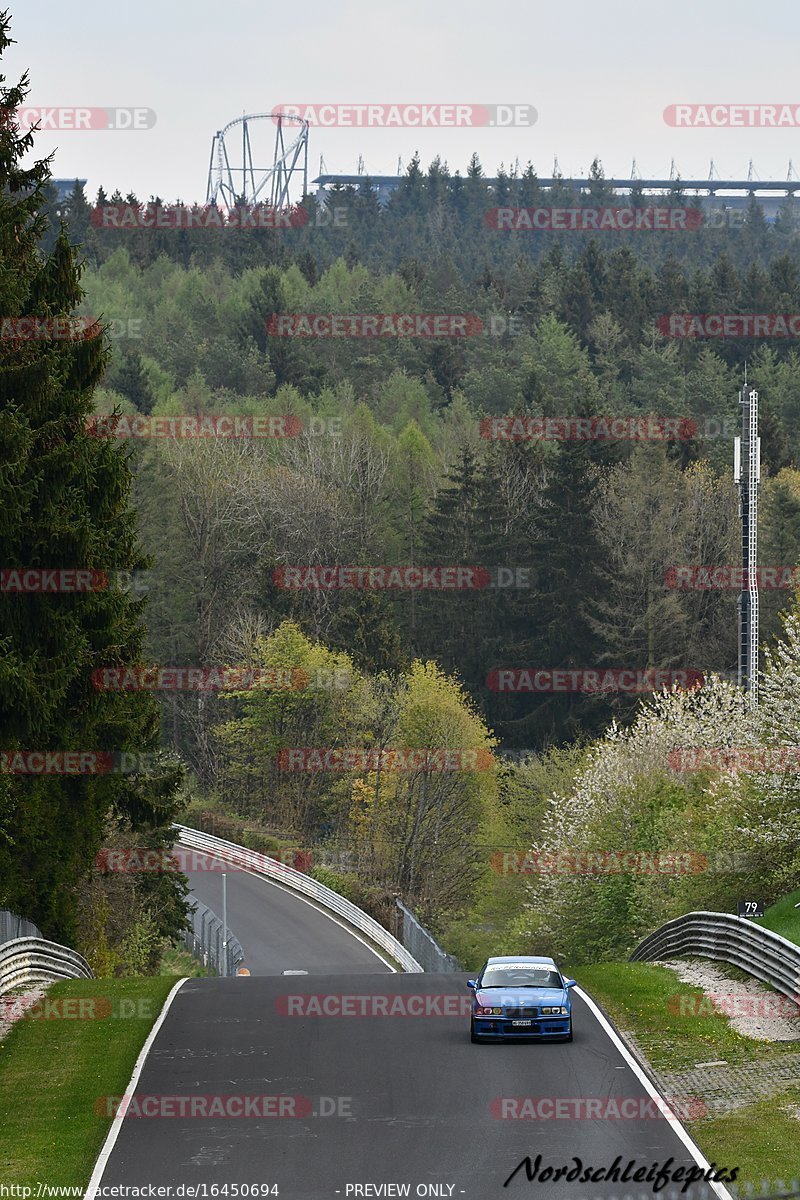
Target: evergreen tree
(451, 623)
(570, 560)
(131, 381)
(64, 500)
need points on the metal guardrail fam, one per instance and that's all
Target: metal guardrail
(735, 940)
(296, 881)
(12, 927)
(204, 941)
(30, 960)
(424, 946)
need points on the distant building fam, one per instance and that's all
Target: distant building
(65, 187)
(716, 193)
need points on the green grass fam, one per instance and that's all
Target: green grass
(637, 997)
(177, 961)
(783, 917)
(54, 1071)
(761, 1139)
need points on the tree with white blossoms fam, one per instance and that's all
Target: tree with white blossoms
(725, 829)
(775, 823)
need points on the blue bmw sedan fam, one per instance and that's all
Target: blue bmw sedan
(520, 997)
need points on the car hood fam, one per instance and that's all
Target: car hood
(519, 997)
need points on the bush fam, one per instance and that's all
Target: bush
(227, 828)
(263, 843)
(349, 886)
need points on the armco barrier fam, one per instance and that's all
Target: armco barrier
(27, 961)
(12, 926)
(764, 954)
(296, 881)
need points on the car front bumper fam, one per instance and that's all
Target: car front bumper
(504, 1029)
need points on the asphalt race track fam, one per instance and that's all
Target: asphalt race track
(361, 1101)
(278, 930)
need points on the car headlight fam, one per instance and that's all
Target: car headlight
(559, 1011)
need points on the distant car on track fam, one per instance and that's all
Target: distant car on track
(520, 996)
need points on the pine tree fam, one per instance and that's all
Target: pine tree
(64, 500)
(450, 623)
(570, 560)
(131, 381)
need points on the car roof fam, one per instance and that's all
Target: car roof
(521, 958)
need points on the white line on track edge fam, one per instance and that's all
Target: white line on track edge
(116, 1124)
(677, 1128)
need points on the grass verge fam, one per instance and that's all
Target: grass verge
(783, 917)
(54, 1071)
(176, 961)
(641, 997)
(762, 1139)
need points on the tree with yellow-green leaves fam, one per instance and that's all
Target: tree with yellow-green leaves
(398, 768)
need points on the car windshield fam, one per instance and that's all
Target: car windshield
(520, 976)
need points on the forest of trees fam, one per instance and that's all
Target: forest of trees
(391, 465)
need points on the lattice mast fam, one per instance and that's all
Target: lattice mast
(747, 474)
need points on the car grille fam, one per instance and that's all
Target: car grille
(519, 1012)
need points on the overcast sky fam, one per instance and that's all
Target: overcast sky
(598, 72)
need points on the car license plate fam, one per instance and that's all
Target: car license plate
(522, 1022)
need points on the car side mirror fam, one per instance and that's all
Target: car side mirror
(569, 983)
(471, 983)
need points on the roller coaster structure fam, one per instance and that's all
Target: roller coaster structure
(232, 182)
